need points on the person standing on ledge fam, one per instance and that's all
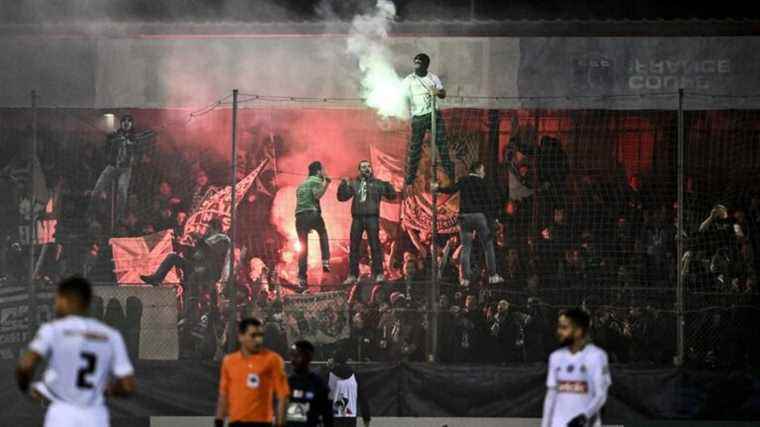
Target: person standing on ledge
(367, 193)
(476, 209)
(309, 217)
(419, 88)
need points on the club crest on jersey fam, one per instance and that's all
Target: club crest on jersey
(570, 368)
(583, 369)
(252, 381)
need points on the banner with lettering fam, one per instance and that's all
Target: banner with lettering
(321, 318)
(15, 330)
(637, 72)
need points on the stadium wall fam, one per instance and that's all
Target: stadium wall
(187, 71)
(638, 396)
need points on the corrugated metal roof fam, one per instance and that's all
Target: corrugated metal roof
(523, 28)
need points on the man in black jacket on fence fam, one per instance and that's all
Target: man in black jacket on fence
(367, 193)
(478, 205)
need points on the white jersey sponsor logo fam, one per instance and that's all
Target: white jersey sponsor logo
(579, 380)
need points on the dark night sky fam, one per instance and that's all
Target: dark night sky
(297, 10)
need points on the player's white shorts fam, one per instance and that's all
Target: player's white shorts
(66, 415)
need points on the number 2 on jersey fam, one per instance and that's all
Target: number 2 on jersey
(92, 361)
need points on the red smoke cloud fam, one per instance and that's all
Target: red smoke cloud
(337, 138)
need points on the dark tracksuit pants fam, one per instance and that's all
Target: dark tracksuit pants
(305, 222)
(370, 223)
(420, 125)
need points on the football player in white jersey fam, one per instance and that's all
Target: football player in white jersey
(578, 376)
(85, 360)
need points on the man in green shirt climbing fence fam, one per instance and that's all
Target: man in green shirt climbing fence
(309, 217)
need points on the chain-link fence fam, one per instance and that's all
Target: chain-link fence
(583, 209)
(721, 253)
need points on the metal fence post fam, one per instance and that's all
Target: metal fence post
(679, 359)
(231, 287)
(433, 288)
(32, 220)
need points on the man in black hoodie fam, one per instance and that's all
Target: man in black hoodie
(123, 149)
(308, 392)
(346, 393)
(367, 193)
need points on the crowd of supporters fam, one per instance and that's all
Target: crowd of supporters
(603, 239)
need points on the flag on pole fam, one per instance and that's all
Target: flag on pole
(218, 205)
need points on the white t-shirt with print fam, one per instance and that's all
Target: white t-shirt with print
(344, 395)
(417, 90)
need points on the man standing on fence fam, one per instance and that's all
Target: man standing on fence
(578, 377)
(309, 217)
(367, 193)
(122, 149)
(420, 87)
(477, 207)
(250, 378)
